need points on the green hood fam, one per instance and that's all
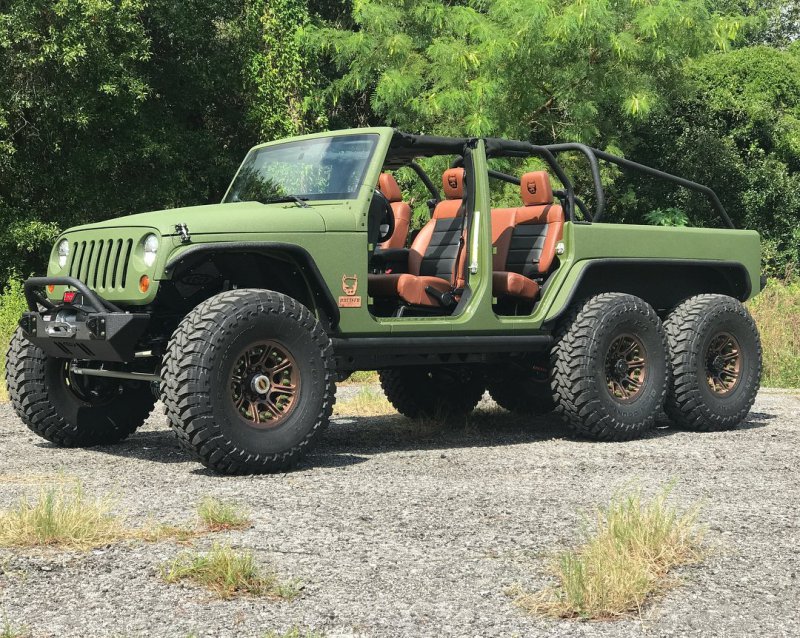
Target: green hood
(241, 217)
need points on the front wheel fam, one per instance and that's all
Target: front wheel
(610, 367)
(72, 410)
(715, 353)
(248, 381)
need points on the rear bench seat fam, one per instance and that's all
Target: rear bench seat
(526, 239)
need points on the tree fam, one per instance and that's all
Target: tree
(533, 69)
(734, 124)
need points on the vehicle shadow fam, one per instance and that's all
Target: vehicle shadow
(351, 440)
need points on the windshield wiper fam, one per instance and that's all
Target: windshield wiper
(300, 201)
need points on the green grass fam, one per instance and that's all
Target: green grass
(228, 573)
(622, 562)
(367, 401)
(361, 376)
(777, 313)
(219, 516)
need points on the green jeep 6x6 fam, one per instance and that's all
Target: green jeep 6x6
(241, 316)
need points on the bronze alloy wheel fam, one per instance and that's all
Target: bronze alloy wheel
(265, 383)
(723, 363)
(625, 368)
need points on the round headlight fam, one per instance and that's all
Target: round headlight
(63, 253)
(150, 250)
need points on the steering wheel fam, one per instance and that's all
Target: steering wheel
(386, 220)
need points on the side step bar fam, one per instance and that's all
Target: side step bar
(369, 353)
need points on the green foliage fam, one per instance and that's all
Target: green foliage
(534, 69)
(667, 217)
(109, 108)
(278, 86)
(733, 124)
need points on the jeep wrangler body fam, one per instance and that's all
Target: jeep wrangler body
(242, 315)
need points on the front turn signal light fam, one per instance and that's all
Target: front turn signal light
(51, 288)
(144, 284)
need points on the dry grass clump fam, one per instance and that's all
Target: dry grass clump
(294, 632)
(366, 402)
(61, 516)
(219, 516)
(10, 631)
(228, 573)
(622, 563)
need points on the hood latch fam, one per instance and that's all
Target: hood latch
(183, 231)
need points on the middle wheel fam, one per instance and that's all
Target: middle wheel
(610, 367)
(523, 387)
(436, 392)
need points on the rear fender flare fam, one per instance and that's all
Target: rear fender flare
(663, 283)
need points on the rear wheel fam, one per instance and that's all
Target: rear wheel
(523, 388)
(248, 381)
(610, 367)
(438, 392)
(715, 353)
(72, 410)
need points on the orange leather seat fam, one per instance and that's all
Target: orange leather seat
(526, 238)
(436, 258)
(400, 210)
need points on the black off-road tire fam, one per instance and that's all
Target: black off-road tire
(523, 389)
(691, 329)
(196, 381)
(436, 392)
(39, 391)
(581, 373)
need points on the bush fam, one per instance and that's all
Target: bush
(777, 313)
(12, 305)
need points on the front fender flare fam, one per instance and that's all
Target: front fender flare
(305, 262)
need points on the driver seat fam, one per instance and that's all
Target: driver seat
(436, 257)
(401, 212)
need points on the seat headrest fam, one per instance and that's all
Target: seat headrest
(535, 189)
(389, 187)
(453, 183)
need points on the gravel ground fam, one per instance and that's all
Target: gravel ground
(400, 530)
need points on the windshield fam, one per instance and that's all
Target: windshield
(323, 168)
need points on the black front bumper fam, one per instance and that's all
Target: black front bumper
(89, 328)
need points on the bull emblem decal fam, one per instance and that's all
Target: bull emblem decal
(532, 188)
(452, 181)
(350, 284)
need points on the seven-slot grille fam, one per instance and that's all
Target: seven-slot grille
(102, 264)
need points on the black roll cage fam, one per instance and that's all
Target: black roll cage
(506, 148)
(405, 148)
